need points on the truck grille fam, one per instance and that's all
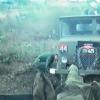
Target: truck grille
(88, 56)
(87, 60)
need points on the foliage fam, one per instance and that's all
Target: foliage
(21, 21)
(25, 51)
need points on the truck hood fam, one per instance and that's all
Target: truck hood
(74, 38)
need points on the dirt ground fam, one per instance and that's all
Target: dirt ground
(16, 78)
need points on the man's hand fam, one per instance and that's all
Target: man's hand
(52, 70)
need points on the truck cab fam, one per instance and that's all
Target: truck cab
(80, 43)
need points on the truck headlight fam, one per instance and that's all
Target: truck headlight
(64, 60)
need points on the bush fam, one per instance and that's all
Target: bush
(25, 51)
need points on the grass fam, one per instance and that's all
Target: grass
(25, 51)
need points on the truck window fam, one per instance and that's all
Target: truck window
(79, 26)
(83, 27)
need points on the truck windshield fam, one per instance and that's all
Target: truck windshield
(79, 26)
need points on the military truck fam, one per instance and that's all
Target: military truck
(79, 43)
